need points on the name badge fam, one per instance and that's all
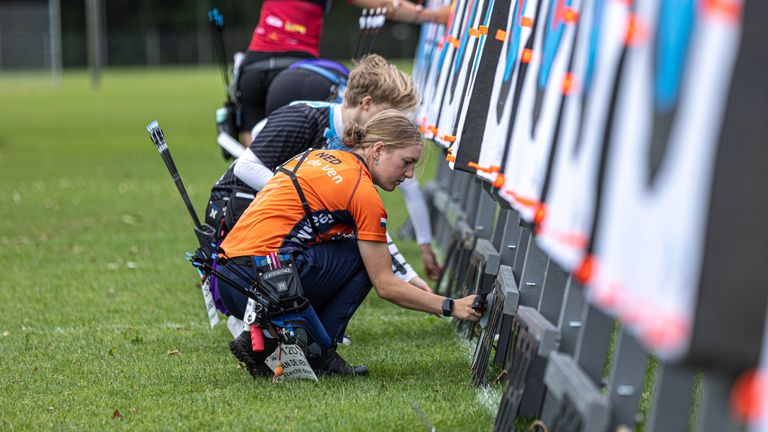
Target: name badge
(294, 362)
(210, 307)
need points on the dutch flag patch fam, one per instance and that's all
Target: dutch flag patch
(383, 222)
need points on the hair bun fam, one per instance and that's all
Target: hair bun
(354, 135)
(360, 133)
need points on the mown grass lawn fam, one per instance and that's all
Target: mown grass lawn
(101, 322)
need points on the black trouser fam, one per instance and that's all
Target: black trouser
(297, 84)
(332, 275)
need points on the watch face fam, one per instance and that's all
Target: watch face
(447, 306)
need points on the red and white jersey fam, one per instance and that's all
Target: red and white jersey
(289, 25)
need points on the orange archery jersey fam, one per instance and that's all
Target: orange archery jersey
(341, 195)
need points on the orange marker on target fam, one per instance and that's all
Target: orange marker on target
(526, 56)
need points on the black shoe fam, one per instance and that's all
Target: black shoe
(242, 349)
(331, 363)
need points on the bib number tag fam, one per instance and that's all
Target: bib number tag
(210, 307)
(295, 364)
(250, 314)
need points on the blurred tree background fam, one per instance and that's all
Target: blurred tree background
(168, 32)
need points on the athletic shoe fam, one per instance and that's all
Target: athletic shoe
(242, 349)
(331, 364)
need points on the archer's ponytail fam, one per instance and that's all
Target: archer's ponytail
(354, 135)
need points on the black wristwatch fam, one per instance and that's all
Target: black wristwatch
(447, 306)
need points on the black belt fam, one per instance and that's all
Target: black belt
(271, 63)
(242, 260)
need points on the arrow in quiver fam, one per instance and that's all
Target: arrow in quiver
(370, 23)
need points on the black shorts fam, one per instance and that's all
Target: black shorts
(297, 84)
(253, 86)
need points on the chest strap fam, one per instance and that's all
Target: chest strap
(297, 186)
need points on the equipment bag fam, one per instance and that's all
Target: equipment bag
(278, 300)
(296, 316)
(280, 284)
(224, 209)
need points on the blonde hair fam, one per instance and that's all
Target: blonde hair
(390, 126)
(375, 77)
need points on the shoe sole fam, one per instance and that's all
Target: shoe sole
(255, 369)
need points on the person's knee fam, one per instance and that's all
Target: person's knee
(229, 297)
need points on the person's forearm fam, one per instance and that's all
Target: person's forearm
(400, 10)
(405, 295)
(388, 287)
(409, 12)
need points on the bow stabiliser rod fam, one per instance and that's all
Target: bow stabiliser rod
(204, 233)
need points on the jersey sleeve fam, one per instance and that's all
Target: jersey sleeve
(251, 170)
(400, 267)
(288, 132)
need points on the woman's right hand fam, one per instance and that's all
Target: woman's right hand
(462, 309)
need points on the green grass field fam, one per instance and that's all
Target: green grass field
(100, 313)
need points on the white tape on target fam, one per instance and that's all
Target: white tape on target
(513, 58)
(542, 93)
(458, 78)
(565, 231)
(650, 238)
(465, 149)
(438, 76)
